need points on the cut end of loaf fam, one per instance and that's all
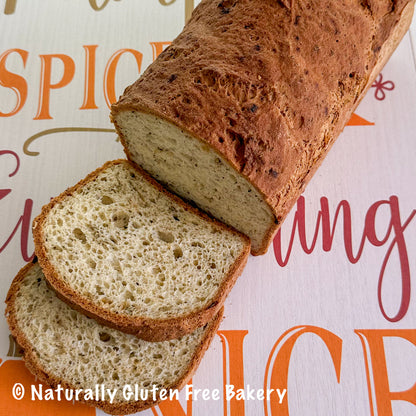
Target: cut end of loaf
(131, 255)
(270, 92)
(62, 346)
(196, 172)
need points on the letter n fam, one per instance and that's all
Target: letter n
(233, 373)
(173, 407)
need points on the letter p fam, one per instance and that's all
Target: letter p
(46, 81)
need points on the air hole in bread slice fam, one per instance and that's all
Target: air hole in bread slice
(106, 200)
(104, 337)
(117, 266)
(91, 263)
(99, 290)
(197, 244)
(79, 234)
(178, 253)
(129, 295)
(121, 220)
(166, 236)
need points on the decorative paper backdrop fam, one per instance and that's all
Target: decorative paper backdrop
(329, 313)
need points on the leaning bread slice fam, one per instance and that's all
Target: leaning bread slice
(64, 347)
(129, 254)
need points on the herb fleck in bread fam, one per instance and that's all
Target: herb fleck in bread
(240, 110)
(126, 252)
(62, 346)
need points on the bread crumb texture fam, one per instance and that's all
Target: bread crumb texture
(128, 247)
(193, 170)
(74, 349)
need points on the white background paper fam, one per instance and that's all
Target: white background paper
(367, 164)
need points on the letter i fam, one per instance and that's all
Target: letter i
(233, 368)
(89, 83)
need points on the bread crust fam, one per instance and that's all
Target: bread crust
(145, 328)
(285, 75)
(35, 367)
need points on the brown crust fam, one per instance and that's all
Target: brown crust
(143, 327)
(303, 78)
(35, 367)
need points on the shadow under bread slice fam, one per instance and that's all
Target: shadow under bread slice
(121, 249)
(64, 347)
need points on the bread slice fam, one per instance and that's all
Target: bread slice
(64, 347)
(242, 107)
(126, 252)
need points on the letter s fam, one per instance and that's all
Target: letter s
(11, 80)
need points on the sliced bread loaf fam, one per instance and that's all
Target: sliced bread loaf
(126, 252)
(240, 110)
(64, 347)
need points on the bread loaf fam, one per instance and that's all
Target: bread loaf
(126, 252)
(239, 111)
(63, 347)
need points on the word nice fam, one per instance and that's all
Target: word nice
(277, 359)
(394, 227)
